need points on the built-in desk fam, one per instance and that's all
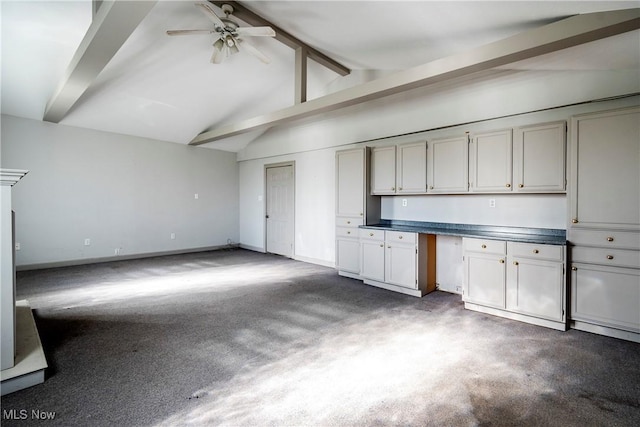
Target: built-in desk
(544, 236)
(512, 272)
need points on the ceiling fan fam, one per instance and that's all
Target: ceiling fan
(230, 35)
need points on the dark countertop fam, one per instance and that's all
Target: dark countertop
(548, 236)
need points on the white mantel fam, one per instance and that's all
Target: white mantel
(8, 178)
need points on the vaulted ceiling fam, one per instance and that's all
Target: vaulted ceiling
(165, 88)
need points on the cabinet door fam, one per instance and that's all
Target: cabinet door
(448, 165)
(348, 255)
(412, 168)
(535, 288)
(605, 177)
(350, 182)
(484, 279)
(606, 296)
(539, 158)
(372, 260)
(491, 162)
(400, 265)
(383, 170)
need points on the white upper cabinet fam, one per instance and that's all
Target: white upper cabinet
(412, 168)
(605, 176)
(448, 165)
(383, 170)
(539, 158)
(490, 165)
(350, 177)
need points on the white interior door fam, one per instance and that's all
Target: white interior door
(279, 212)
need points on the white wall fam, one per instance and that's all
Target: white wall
(314, 204)
(536, 211)
(482, 100)
(119, 191)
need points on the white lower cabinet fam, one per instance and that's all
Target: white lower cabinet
(485, 279)
(519, 281)
(398, 261)
(372, 254)
(535, 280)
(606, 300)
(605, 282)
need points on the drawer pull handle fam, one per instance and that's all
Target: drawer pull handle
(501, 261)
(609, 239)
(535, 251)
(400, 237)
(609, 256)
(484, 246)
(371, 234)
(515, 262)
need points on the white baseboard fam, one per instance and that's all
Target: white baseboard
(315, 261)
(603, 330)
(252, 248)
(413, 292)
(560, 326)
(69, 263)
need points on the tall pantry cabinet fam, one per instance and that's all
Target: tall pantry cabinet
(354, 207)
(604, 223)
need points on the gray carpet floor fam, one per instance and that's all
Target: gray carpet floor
(239, 338)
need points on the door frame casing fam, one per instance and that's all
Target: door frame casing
(291, 163)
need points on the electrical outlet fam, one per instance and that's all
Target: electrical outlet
(17, 246)
(173, 236)
(195, 196)
(117, 251)
(459, 289)
(404, 202)
(87, 242)
(492, 203)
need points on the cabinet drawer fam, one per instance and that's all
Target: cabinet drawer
(534, 251)
(400, 237)
(485, 246)
(349, 221)
(371, 234)
(605, 238)
(347, 232)
(613, 257)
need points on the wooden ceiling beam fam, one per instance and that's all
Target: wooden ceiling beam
(113, 23)
(559, 35)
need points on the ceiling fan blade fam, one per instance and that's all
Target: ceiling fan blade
(207, 9)
(245, 46)
(256, 31)
(188, 32)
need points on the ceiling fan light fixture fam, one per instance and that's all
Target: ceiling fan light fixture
(229, 34)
